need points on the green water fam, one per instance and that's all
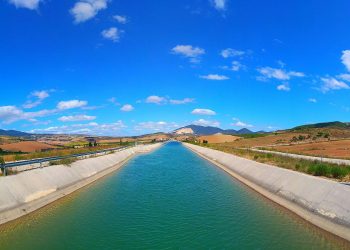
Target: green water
(169, 199)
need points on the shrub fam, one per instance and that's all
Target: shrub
(269, 155)
(2, 162)
(322, 170)
(339, 172)
(66, 162)
(256, 157)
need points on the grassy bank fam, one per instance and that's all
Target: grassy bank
(316, 168)
(58, 152)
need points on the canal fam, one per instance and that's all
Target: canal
(172, 199)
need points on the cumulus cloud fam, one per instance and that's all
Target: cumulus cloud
(127, 108)
(219, 4)
(188, 51)
(156, 99)
(40, 97)
(345, 58)
(206, 123)
(75, 118)
(112, 34)
(226, 53)
(183, 101)
(28, 4)
(330, 83)
(121, 19)
(283, 87)
(10, 114)
(203, 112)
(215, 77)
(71, 104)
(279, 74)
(236, 66)
(242, 124)
(87, 9)
(91, 128)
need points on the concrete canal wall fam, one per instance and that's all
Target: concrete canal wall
(28, 191)
(322, 202)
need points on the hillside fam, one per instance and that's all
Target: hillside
(13, 133)
(336, 125)
(208, 130)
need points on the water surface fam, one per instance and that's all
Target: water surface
(170, 199)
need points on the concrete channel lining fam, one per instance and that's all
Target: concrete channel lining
(28, 191)
(322, 202)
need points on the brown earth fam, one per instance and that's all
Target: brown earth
(271, 139)
(218, 138)
(332, 149)
(26, 146)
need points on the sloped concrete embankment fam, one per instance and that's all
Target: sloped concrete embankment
(28, 191)
(322, 202)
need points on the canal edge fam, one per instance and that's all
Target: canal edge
(322, 223)
(24, 209)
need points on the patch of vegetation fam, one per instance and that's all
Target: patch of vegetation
(316, 168)
(250, 136)
(56, 152)
(66, 162)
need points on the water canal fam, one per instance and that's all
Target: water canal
(170, 198)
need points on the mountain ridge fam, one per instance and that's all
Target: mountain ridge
(210, 130)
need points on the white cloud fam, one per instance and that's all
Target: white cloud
(29, 4)
(112, 34)
(40, 95)
(75, 118)
(203, 112)
(236, 66)
(127, 108)
(330, 83)
(188, 51)
(71, 104)
(10, 114)
(183, 101)
(219, 4)
(226, 53)
(279, 74)
(121, 19)
(345, 77)
(345, 58)
(160, 126)
(313, 100)
(87, 9)
(91, 128)
(215, 77)
(206, 123)
(242, 124)
(283, 87)
(156, 99)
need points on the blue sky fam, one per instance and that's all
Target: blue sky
(132, 67)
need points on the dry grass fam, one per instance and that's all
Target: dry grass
(327, 170)
(332, 149)
(218, 138)
(26, 146)
(271, 139)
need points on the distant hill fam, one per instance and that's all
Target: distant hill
(13, 133)
(336, 124)
(208, 130)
